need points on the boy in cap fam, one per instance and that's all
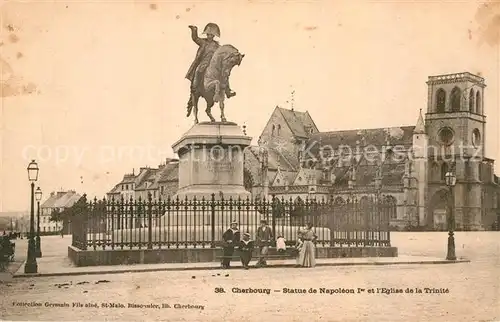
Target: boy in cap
(231, 238)
(246, 249)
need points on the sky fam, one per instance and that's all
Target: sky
(92, 90)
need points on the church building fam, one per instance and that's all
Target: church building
(405, 165)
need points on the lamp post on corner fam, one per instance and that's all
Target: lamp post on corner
(378, 199)
(31, 266)
(451, 180)
(38, 197)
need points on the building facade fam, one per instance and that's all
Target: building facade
(60, 200)
(405, 165)
(160, 182)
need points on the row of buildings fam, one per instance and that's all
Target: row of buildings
(405, 164)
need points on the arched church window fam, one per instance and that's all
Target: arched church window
(392, 207)
(478, 103)
(471, 101)
(440, 100)
(444, 170)
(435, 169)
(279, 129)
(273, 129)
(455, 99)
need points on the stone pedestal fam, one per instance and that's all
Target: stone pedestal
(211, 161)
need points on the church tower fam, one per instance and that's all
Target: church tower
(455, 125)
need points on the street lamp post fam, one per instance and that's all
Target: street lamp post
(31, 266)
(38, 196)
(378, 189)
(451, 180)
(378, 184)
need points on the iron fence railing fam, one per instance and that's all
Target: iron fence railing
(200, 223)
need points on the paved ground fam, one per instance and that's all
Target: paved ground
(62, 266)
(472, 290)
(56, 262)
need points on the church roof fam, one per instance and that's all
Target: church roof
(392, 171)
(401, 136)
(420, 127)
(276, 157)
(298, 121)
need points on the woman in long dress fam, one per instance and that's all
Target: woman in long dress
(307, 254)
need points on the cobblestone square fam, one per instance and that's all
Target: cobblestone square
(467, 291)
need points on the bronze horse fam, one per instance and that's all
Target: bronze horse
(215, 84)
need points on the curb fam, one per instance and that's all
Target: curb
(201, 268)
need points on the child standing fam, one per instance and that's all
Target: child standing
(246, 249)
(298, 248)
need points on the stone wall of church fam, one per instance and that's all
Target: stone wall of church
(281, 134)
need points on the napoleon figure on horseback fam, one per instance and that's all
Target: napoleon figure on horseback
(209, 73)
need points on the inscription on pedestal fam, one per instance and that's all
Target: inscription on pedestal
(220, 166)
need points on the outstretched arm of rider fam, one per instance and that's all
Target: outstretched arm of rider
(194, 35)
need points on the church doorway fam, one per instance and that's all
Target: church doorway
(438, 210)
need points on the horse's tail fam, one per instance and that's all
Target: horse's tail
(189, 106)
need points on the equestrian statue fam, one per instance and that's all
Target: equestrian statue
(209, 73)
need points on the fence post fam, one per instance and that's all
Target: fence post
(84, 223)
(274, 214)
(388, 222)
(273, 211)
(212, 219)
(331, 213)
(150, 223)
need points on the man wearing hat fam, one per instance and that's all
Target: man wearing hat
(231, 239)
(264, 237)
(207, 48)
(246, 249)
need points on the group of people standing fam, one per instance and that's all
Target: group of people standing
(264, 238)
